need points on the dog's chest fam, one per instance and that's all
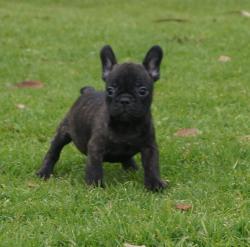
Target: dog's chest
(121, 146)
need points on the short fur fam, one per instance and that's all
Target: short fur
(114, 125)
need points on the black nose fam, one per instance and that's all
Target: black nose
(125, 100)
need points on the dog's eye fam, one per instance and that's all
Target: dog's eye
(110, 91)
(142, 91)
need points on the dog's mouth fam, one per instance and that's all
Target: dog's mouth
(123, 114)
(126, 115)
(127, 112)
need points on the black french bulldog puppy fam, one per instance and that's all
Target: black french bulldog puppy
(114, 125)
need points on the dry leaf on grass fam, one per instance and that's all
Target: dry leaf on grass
(32, 185)
(245, 13)
(245, 138)
(20, 106)
(224, 59)
(183, 207)
(29, 84)
(240, 12)
(186, 132)
(131, 245)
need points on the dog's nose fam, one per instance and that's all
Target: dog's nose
(125, 101)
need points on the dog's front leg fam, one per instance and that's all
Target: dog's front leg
(94, 169)
(150, 162)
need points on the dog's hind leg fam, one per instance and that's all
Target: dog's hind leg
(61, 139)
(129, 165)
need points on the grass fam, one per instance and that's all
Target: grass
(58, 42)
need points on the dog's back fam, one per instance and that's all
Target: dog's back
(82, 115)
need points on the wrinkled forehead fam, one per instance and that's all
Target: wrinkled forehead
(129, 74)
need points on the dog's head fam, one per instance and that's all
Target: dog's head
(129, 86)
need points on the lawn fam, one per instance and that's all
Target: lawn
(58, 43)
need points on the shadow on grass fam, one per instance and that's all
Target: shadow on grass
(114, 174)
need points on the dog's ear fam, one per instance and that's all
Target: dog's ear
(108, 60)
(152, 62)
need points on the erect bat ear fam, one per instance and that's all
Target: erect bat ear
(152, 62)
(108, 60)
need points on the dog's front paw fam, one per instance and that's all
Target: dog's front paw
(94, 175)
(95, 182)
(155, 184)
(44, 173)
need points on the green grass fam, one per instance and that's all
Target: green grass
(58, 42)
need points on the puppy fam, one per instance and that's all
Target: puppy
(114, 125)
